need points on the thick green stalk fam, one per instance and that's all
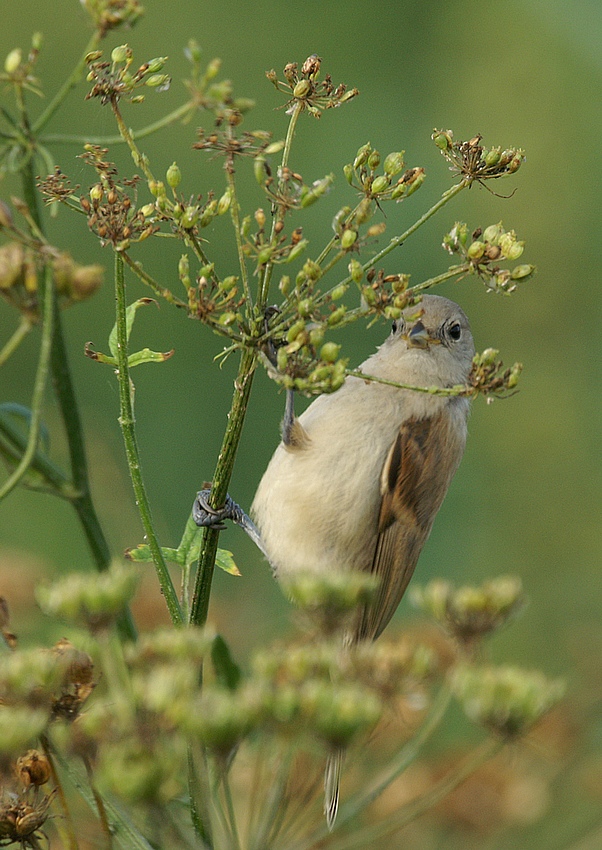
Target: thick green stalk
(67, 401)
(127, 422)
(220, 484)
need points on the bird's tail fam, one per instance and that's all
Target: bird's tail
(332, 781)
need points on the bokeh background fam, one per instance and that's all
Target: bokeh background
(527, 497)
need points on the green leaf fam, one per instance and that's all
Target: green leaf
(145, 355)
(130, 315)
(227, 672)
(184, 555)
(225, 561)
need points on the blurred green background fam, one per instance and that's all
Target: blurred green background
(527, 497)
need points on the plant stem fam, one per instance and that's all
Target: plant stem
(445, 198)
(181, 112)
(37, 398)
(414, 809)
(220, 484)
(127, 422)
(235, 215)
(198, 798)
(280, 209)
(11, 345)
(72, 80)
(459, 389)
(66, 832)
(67, 401)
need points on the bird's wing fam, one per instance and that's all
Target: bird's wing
(417, 472)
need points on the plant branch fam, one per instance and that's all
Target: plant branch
(180, 113)
(72, 80)
(127, 422)
(39, 388)
(220, 484)
(280, 210)
(386, 828)
(15, 340)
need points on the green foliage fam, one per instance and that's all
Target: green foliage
(171, 716)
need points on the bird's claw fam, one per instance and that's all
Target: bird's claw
(207, 517)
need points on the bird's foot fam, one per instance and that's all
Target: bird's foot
(207, 517)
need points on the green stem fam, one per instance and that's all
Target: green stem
(454, 271)
(230, 811)
(39, 388)
(398, 240)
(404, 758)
(220, 484)
(235, 215)
(162, 291)
(72, 80)
(199, 796)
(67, 401)
(127, 422)
(363, 837)
(140, 159)
(176, 115)
(459, 389)
(280, 210)
(11, 345)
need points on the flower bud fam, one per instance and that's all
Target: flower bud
(223, 205)
(522, 272)
(190, 217)
(373, 160)
(492, 157)
(492, 233)
(330, 352)
(443, 139)
(348, 172)
(155, 81)
(348, 239)
(362, 155)
(393, 163)
(120, 54)
(285, 285)
(156, 64)
(339, 291)
(156, 188)
(302, 89)
(380, 184)
(355, 270)
(13, 60)
(173, 176)
(475, 250)
(316, 336)
(336, 316)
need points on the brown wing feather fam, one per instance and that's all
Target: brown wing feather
(415, 478)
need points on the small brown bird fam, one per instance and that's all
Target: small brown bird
(359, 477)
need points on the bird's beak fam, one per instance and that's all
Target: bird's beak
(418, 336)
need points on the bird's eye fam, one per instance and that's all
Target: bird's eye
(455, 331)
(394, 327)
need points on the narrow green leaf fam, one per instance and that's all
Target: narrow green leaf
(130, 315)
(145, 355)
(225, 561)
(226, 669)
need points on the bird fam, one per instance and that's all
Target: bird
(358, 478)
(357, 481)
